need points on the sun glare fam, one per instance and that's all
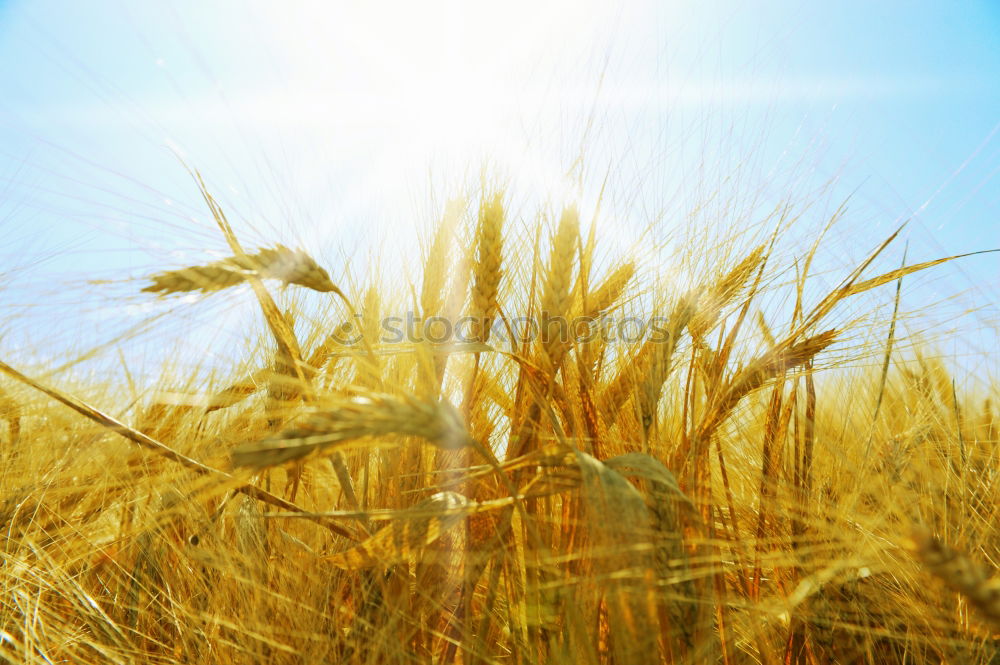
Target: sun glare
(444, 83)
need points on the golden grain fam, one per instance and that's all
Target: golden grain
(286, 265)
(487, 269)
(374, 415)
(775, 542)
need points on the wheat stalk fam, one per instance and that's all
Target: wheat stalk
(161, 449)
(620, 388)
(784, 356)
(407, 535)
(647, 370)
(288, 350)
(554, 304)
(251, 537)
(669, 508)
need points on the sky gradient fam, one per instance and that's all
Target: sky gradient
(335, 125)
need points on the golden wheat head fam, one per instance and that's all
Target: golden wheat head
(340, 423)
(291, 266)
(979, 585)
(489, 262)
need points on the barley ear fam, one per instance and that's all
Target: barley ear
(346, 421)
(289, 266)
(556, 293)
(488, 265)
(11, 412)
(976, 582)
(604, 297)
(436, 265)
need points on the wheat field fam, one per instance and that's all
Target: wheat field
(771, 474)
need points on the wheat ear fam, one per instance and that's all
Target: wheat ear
(556, 294)
(290, 266)
(979, 585)
(436, 264)
(781, 358)
(723, 292)
(661, 352)
(488, 266)
(11, 412)
(348, 420)
(607, 294)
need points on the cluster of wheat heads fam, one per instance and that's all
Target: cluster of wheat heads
(706, 496)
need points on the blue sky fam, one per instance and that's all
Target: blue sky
(334, 125)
